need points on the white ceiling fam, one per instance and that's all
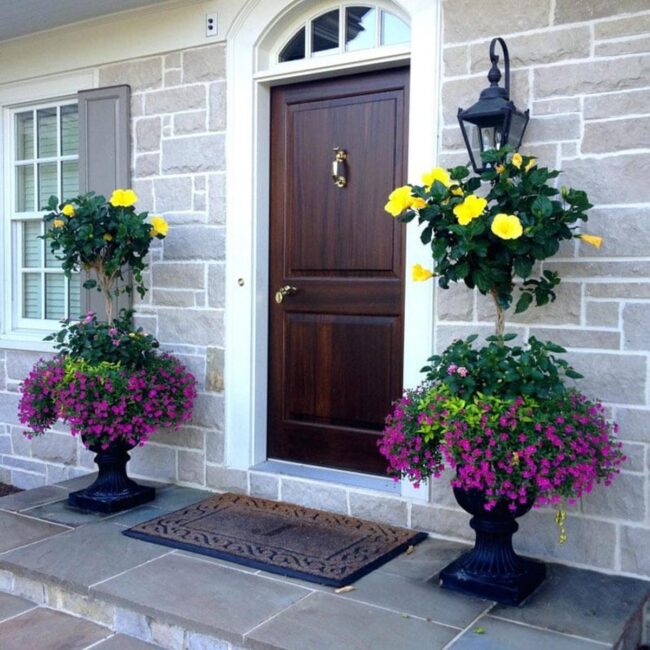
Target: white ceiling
(21, 17)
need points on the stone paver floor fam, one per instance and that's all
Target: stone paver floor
(72, 580)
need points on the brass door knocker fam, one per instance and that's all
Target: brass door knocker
(338, 167)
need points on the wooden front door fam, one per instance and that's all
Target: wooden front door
(336, 339)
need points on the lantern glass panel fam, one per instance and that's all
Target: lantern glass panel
(518, 122)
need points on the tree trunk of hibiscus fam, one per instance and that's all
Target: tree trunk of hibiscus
(500, 321)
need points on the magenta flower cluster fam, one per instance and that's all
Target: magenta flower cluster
(107, 402)
(510, 450)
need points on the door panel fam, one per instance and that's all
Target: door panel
(336, 344)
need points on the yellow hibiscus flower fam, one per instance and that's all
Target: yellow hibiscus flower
(472, 207)
(107, 237)
(123, 198)
(58, 223)
(507, 226)
(530, 164)
(500, 169)
(158, 226)
(68, 210)
(436, 174)
(400, 199)
(420, 274)
(517, 160)
(594, 240)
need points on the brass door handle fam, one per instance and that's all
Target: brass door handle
(284, 291)
(338, 167)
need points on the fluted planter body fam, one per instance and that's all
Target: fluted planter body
(492, 569)
(113, 490)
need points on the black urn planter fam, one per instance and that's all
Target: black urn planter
(492, 569)
(113, 490)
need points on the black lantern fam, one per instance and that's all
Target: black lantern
(494, 121)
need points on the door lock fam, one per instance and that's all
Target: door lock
(284, 291)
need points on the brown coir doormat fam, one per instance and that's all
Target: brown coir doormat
(6, 490)
(280, 537)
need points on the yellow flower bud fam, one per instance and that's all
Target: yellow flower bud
(500, 169)
(58, 223)
(530, 164)
(107, 237)
(594, 240)
(517, 160)
(420, 274)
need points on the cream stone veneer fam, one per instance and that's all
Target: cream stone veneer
(583, 68)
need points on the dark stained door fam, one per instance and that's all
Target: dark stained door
(336, 344)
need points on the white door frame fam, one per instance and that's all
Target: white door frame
(247, 152)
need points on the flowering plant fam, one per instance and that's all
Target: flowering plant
(103, 237)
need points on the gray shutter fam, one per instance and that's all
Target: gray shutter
(104, 158)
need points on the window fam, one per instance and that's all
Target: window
(346, 29)
(44, 161)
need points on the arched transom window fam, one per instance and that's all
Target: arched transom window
(345, 29)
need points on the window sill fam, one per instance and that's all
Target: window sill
(29, 341)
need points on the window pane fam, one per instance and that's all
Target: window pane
(32, 295)
(50, 258)
(55, 296)
(48, 184)
(46, 122)
(74, 293)
(25, 136)
(25, 188)
(69, 130)
(360, 28)
(295, 48)
(325, 33)
(70, 179)
(393, 30)
(32, 246)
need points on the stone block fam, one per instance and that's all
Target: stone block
(196, 641)
(446, 334)
(226, 479)
(147, 164)
(632, 289)
(172, 78)
(623, 231)
(602, 314)
(19, 363)
(132, 624)
(578, 337)
(173, 61)
(204, 63)
(618, 48)
(21, 445)
(442, 521)
(85, 607)
(617, 104)
(190, 154)
(464, 23)
(314, 495)
(217, 99)
(383, 509)
(191, 326)
(214, 446)
(196, 243)
(140, 74)
(539, 537)
(173, 297)
(549, 46)
(167, 636)
(154, 461)
(570, 11)
(208, 411)
(635, 542)
(214, 381)
(553, 128)
(455, 303)
(635, 455)
(456, 60)
(618, 378)
(191, 122)
(195, 363)
(34, 466)
(265, 486)
(184, 436)
(452, 139)
(623, 499)
(200, 203)
(55, 447)
(200, 183)
(175, 100)
(5, 444)
(556, 106)
(636, 333)
(144, 189)
(191, 466)
(173, 193)
(179, 275)
(217, 285)
(591, 76)
(615, 135)
(634, 424)
(628, 26)
(148, 132)
(217, 198)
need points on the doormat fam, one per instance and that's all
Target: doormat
(297, 542)
(6, 490)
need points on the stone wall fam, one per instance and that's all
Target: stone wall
(583, 69)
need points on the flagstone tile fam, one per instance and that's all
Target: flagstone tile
(18, 530)
(11, 605)
(31, 498)
(123, 642)
(203, 596)
(46, 629)
(324, 622)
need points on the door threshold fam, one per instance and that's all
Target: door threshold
(329, 475)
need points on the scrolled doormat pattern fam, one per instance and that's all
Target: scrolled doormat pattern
(282, 538)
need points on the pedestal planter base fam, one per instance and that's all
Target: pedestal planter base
(113, 490)
(492, 569)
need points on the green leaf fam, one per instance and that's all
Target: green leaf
(89, 284)
(542, 207)
(523, 266)
(524, 302)
(573, 374)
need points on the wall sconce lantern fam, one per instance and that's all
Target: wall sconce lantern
(493, 121)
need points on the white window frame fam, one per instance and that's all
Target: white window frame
(55, 90)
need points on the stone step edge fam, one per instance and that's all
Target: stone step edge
(128, 621)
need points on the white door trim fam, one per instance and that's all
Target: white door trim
(247, 153)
